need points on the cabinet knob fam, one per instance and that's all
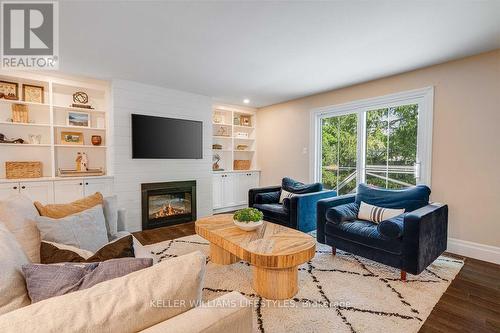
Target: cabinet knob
(15, 187)
(86, 183)
(81, 184)
(23, 187)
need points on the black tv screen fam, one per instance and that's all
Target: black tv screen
(158, 137)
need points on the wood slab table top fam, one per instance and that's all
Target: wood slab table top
(270, 246)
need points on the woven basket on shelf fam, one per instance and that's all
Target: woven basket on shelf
(241, 165)
(14, 170)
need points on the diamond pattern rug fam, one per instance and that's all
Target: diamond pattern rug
(342, 293)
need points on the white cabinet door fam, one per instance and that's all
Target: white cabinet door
(217, 191)
(38, 191)
(8, 189)
(254, 180)
(68, 190)
(228, 190)
(241, 188)
(93, 185)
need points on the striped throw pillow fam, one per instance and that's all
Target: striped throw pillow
(377, 214)
(285, 194)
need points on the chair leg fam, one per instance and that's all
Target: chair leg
(334, 250)
(403, 275)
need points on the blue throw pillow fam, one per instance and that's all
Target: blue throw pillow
(290, 185)
(410, 199)
(342, 213)
(393, 227)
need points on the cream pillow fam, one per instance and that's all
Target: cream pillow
(130, 303)
(13, 293)
(377, 214)
(18, 214)
(285, 194)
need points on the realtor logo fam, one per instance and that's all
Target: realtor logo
(30, 35)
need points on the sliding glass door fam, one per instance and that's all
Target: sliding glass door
(339, 146)
(391, 146)
(385, 143)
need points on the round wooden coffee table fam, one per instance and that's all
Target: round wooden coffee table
(274, 251)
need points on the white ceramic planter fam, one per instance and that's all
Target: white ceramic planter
(248, 226)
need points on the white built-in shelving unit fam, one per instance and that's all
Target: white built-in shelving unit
(48, 119)
(225, 132)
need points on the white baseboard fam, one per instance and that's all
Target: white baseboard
(474, 250)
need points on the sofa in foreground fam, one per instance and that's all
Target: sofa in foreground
(165, 297)
(409, 241)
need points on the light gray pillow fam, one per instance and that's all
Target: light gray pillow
(85, 230)
(45, 281)
(109, 206)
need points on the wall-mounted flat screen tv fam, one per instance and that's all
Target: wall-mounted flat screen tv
(166, 138)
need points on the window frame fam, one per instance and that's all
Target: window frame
(424, 97)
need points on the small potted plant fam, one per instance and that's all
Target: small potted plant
(248, 219)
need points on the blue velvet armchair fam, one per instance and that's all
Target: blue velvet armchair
(297, 211)
(409, 242)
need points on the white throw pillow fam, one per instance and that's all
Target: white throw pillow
(285, 194)
(85, 230)
(13, 293)
(127, 304)
(377, 214)
(18, 214)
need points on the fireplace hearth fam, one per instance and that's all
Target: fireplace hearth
(168, 203)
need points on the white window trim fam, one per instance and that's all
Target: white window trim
(423, 96)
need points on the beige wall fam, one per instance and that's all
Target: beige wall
(466, 138)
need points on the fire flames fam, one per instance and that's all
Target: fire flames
(168, 210)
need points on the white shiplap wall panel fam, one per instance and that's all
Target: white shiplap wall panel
(132, 97)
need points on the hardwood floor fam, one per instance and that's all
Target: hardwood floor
(470, 304)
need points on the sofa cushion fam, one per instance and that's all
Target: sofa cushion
(284, 194)
(365, 233)
(52, 253)
(342, 213)
(13, 293)
(127, 304)
(18, 214)
(290, 185)
(410, 199)
(272, 211)
(85, 230)
(393, 227)
(46, 281)
(267, 197)
(110, 209)
(57, 211)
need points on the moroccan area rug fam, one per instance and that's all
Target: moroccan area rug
(342, 293)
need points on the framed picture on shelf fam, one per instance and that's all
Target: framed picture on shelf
(32, 93)
(9, 90)
(245, 121)
(79, 119)
(72, 138)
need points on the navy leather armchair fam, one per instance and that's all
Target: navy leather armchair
(410, 241)
(297, 212)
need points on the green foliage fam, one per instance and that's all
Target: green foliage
(391, 139)
(248, 215)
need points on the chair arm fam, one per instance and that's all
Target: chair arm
(323, 206)
(303, 209)
(254, 191)
(229, 313)
(121, 224)
(425, 236)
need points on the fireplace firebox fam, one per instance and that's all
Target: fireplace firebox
(169, 203)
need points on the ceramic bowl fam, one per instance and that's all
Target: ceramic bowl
(248, 226)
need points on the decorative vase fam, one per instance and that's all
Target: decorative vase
(96, 140)
(248, 226)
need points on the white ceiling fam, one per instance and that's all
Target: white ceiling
(268, 52)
